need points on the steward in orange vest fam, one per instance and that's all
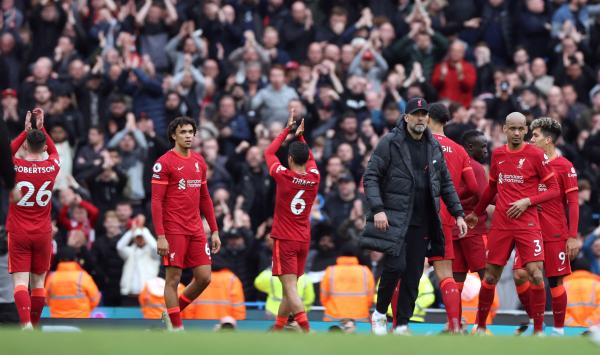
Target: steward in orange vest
(72, 293)
(152, 299)
(347, 290)
(583, 297)
(223, 297)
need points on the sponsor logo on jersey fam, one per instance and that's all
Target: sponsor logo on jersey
(194, 183)
(515, 179)
(521, 162)
(157, 168)
(542, 187)
(35, 169)
(573, 173)
(156, 176)
(181, 185)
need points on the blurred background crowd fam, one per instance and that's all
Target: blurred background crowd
(112, 74)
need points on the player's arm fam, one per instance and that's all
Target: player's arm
(311, 163)
(471, 186)
(160, 181)
(271, 151)
(207, 210)
(16, 144)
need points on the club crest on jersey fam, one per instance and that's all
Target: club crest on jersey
(521, 162)
(197, 167)
(181, 185)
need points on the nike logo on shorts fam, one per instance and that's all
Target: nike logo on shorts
(561, 268)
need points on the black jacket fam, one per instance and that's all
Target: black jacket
(388, 184)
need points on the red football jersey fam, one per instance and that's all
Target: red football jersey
(517, 175)
(470, 203)
(458, 162)
(35, 180)
(553, 217)
(294, 195)
(186, 191)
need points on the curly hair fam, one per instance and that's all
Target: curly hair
(548, 126)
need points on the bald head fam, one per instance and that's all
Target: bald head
(515, 128)
(515, 118)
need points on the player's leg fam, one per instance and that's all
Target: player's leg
(38, 297)
(559, 303)
(198, 258)
(22, 298)
(294, 304)
(538, 294)
(450, 293)
(460, 267)
(195, 288)
(40, 264)
(172, 279)
(19, 265)
(556, 267)
(500, 245)
(522, 284)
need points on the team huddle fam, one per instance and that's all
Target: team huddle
(534, 191)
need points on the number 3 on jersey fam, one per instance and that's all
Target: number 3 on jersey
(298, 204)
(42, 198)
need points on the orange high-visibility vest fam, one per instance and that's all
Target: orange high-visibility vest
(583, 299)
(152, 299)
(71, 291)
(470, 300)
(224, 296)
(347, 290)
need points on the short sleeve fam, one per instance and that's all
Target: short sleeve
(160, 172)
(569, 178)
(542, 166)
(466, 161)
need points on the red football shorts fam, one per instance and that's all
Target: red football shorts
(529, 244)
(289, 257)
(29, 253)
(187, 251)
(448, 248)
(556, 261)
(469, 254)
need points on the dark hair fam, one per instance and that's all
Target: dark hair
(439, 112)
(36, 140)
(299, 152)
(179, 122)
(469, 136)
(549, 127)
(453, 107)
(67, 253)
(98, 128)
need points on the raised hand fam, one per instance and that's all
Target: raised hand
(28, 121)
(290, 123)
(38, 113)
(300, 129)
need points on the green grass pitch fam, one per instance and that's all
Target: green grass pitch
(116, 342)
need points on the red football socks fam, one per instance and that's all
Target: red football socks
(559, 305)
(451, 298)
(524, 296)
(302, 320)
(38, 301)
(460, 286)
(538, 305)
(486, 298)
(175, 316)
(183, 302)
(280, 322)
(23, 303)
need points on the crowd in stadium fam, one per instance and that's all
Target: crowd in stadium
(112, 74)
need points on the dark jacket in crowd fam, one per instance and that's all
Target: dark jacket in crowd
(110, 266)
(389, 187)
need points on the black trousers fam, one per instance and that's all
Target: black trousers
(416, 249)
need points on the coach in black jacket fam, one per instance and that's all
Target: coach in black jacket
(405, 178)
